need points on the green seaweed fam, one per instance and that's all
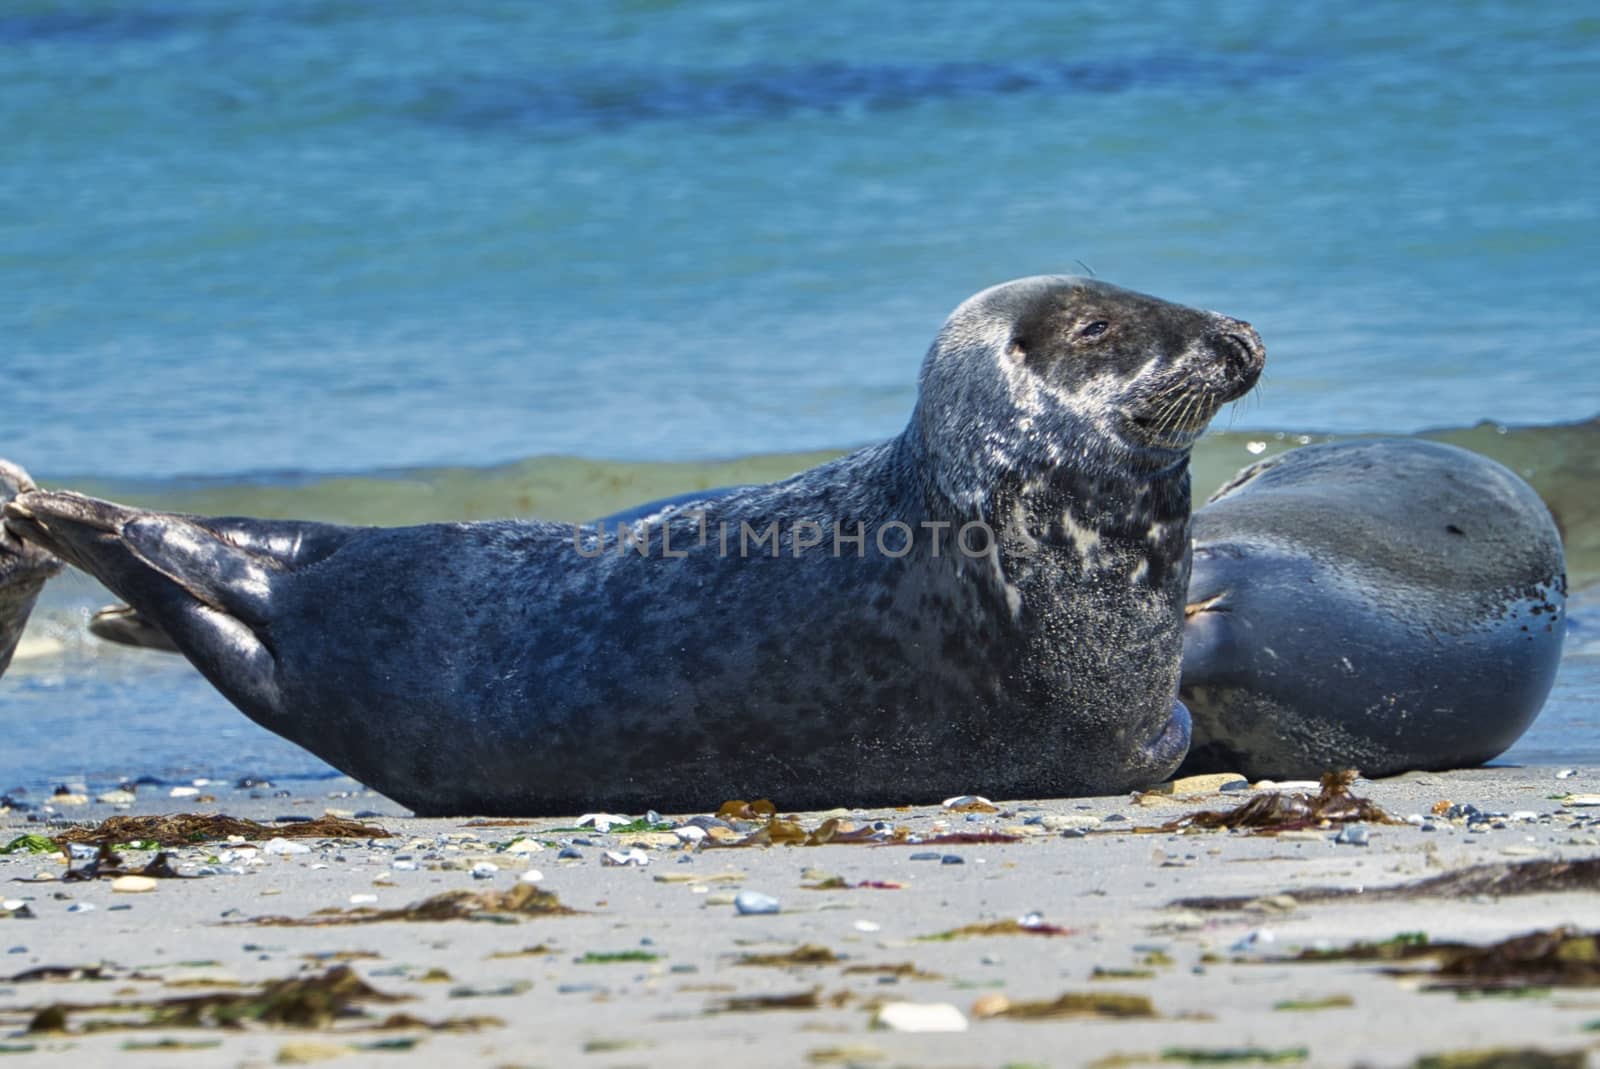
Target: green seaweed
(612, 957)
(31, 844)
(1228, 1055)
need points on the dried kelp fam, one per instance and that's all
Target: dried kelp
(183, 829)
(1494, 879)
(806, 954)
(1071, 1004)
(520, 901)
(299, 1002)
(1275, 811)
(1005, 927)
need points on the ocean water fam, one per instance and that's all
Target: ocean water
(365, 261)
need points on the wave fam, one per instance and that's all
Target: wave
(1561, 462)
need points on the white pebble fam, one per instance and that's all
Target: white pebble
(754, 902)
(689, 833)
(1582, 799)
(921, 1017)
(867, 926)
(183, 792)
(531, 876)
(602, 822)
(362, 900)
(484, 870)
(284, 846)
(116, 798)
(525, 846)
(620, 858)
(81, 907)
(133, 885)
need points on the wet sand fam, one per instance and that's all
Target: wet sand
(658, 967)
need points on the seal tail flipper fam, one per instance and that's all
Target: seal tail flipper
(127, 626)
(208, 595)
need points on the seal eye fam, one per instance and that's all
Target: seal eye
(1093, 330)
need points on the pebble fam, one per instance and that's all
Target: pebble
(1566, 773)
(404, 864)
(962, 801)
(867, 926)
(132, 885)
(952, 859)
(363, 900)
(116, 798)
(1352, 835)
(183, 792)
(1208, 784)
(81, 907)
(1113, 818)
(920, 1017)
(531, 876)
(602, 822)
(622, 858)
(1582, 799)
(1254, 940)
(484, 870)
(284, 846)
(569, 853)
(525, 846)
(689, 833)
(925, 855)
(1067, 822)
(754, 902)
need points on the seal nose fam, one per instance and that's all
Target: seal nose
(1239, 348)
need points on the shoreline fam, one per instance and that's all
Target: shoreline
(652, 970)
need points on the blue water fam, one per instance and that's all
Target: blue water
(341, 236)
(349, 236)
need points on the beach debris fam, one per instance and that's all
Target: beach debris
(1503, 1058)
(969, 803)
(1307, 1005)
(283, 847)
(1494, 879)
(805, 954)
(119, 796)
(616, 957)
(523, 899)
(31, 844)
(1071, 1004)
(506, 990)
(1581, 800)
(185, 829)
(1555, 957)
(903, 970)
(634, 858)
(1275, 811)
(1030, 924)
(851, 1054)
(794, 1000)
(1231, 1055)
(750, 903)
(920, 1017)
(1353, 835)
(299, 1002)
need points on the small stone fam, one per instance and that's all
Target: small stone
(1566, 773)
(525, 846)
(116, 798)
(952, 859)
(1582, 799)
(1352, 835)
(925, 855)
(569, 853)
(1254, 940)
(531, 876)
(1075, 833)
(363, 900)
(306, 1051)
(133, 885)
(867, 926)
(602, 822)
(754, 902)
(635, 858)
(183, 792)
(920, 1017)
(973, 803)
(81, 907)
(1113, 818)
(484, 870)
(404, 864)
(284, 846)
(689, 833)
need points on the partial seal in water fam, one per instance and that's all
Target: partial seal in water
(1384, 604)
(24, 569)
(992, 598)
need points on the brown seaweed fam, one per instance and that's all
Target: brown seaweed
(184, 829)
(1494, 879)
(1071, 1004)
(1275, 811)
(521, 900)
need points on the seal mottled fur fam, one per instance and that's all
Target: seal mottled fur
(24, 569)
(513, 667)
(1383, 604)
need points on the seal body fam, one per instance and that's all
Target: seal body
(1385, 604)
(991, 599)
(24, 569)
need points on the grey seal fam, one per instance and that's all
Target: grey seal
(1386, 604)
(992, 598)
(24, 569)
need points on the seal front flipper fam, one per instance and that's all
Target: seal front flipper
(209, 595)
(126, 626)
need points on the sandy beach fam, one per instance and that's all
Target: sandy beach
(974, 923)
